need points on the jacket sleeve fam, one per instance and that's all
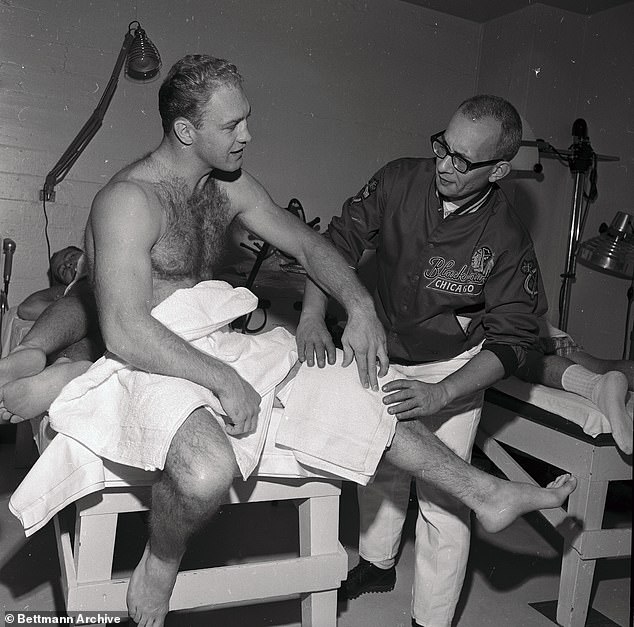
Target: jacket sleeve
(514, 300)
(357, 229)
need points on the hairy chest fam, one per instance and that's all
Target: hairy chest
(194, 236)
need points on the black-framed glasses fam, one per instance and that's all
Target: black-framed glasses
(460, 163)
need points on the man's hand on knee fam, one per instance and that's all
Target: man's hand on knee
(364, 341)
(409, 399)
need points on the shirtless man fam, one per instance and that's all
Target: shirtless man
(158, 226)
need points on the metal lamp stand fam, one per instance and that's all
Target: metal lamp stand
(580, 158)
(580, 161)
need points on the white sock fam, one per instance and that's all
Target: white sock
(581, 381)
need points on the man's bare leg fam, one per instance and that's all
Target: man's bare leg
(62, 324)
(199, 469)
(30, 397)
(68, 327)
(23, 361)
(496, 502)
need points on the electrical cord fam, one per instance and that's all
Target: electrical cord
(48, 242)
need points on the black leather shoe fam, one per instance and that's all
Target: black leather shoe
(366, 577)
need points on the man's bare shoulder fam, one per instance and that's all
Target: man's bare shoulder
(131, 184)
(127, 205)
(244, 192)
(126, 192)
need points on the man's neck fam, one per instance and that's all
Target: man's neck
(459, 201)
(176, 161)
(466, 204)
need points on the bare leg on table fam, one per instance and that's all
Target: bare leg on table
(67, 327)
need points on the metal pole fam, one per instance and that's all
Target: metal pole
(571, 254)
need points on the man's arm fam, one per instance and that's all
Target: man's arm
(364, 337)
(32, 306)
(410, 399)
(124, 224)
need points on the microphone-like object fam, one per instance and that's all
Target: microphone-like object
(8, 248)
(582, 154)
(579, 131)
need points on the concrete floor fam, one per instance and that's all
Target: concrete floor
(507, 571)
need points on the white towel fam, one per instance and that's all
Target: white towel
(67, 471)
(333, 424)
(130, 416)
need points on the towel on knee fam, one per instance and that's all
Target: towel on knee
(333, 424)
(130, 416)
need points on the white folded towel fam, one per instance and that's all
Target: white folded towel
(335, 425)
(130, 416)
(67, 471)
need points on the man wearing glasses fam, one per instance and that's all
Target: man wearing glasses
(459, 293)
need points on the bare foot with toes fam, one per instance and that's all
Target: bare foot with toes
(509, 500)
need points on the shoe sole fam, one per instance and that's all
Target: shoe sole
(387, 588)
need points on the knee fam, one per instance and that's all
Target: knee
(205, 479)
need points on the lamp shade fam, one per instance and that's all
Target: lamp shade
(143, 61)
(612, 251)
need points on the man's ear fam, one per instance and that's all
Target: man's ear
(183, 130)
(501, 169)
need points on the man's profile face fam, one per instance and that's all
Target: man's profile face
(224, 134)
(476, 140)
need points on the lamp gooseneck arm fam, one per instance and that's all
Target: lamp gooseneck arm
(90, 128)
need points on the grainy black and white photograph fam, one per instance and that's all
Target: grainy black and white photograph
(316, 313)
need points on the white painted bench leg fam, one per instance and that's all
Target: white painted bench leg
(587, 503)
(318, 534)
(94, 546)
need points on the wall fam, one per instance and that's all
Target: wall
(557, 66)
(606, 102)
(337, 88)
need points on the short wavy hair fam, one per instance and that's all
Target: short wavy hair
(486, 106)
(190, 84)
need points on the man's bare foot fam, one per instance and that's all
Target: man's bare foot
(27, 398)
(609, 396)
(22, 362)
(150, 589)
(510, 500)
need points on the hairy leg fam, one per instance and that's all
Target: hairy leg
(62, 323)
(496, 502)
(544, 369)
(199, 470)
(29, 397)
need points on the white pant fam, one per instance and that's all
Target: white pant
(442, 526)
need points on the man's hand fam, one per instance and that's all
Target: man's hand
(364, 340)
(314, 341)
(240, 402)
(414, 399)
